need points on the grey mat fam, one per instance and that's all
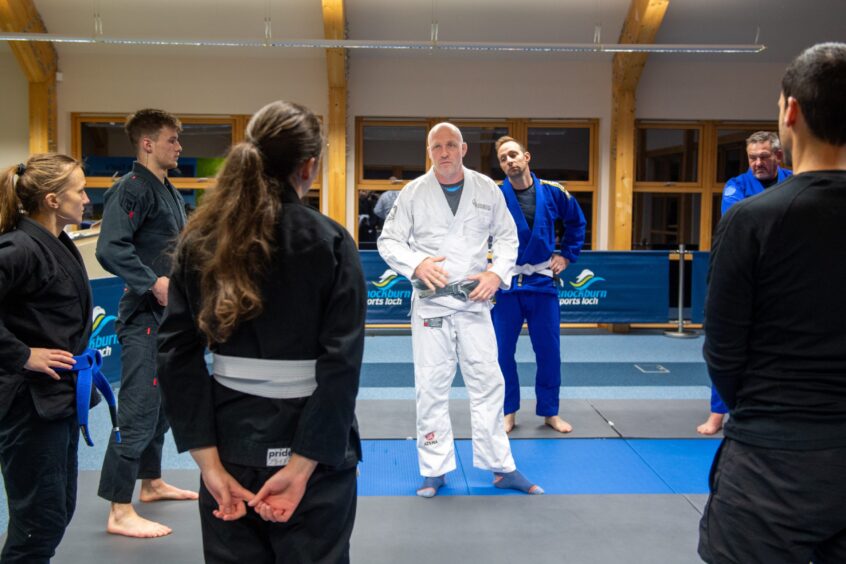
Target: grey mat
(395, 419)
(584, 529)
(698, 501)
(656, 419)
(86, 540)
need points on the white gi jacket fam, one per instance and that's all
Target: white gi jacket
(421, 225)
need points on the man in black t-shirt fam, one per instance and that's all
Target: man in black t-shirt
(776, 341)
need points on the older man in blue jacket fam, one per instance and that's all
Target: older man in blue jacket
(763, 149)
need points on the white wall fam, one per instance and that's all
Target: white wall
(14, 111)
(707, 90)
(185, 85)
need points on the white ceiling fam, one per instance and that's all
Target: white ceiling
(786, 26)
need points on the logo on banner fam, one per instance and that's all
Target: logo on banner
(430, 439)
(384, 293)
(103, 335)
(581, 290)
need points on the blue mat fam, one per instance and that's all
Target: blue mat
(401, 374)
(565, 467)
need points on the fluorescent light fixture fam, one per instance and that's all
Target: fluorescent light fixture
(399, 45)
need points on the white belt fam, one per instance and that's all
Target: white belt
(529, 269)
(278, 379)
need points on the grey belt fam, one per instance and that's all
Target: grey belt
(459, 290)
(278, 379)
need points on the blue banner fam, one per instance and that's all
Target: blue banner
(699, 286)
(388, 293)
(616, 287)
(603, 287)
(107, 293)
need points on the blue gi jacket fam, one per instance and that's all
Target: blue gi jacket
(746, 185)
(537, 245)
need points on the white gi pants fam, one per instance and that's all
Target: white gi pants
(469, 338)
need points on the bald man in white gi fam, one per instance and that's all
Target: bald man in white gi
(437, 236)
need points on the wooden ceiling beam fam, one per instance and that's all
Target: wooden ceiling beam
(334, 27)
(39, 62)
(641, 26)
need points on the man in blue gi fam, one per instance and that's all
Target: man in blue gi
(533, 296)
(763, 149)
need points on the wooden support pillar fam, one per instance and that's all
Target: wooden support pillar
(39, 62)
(336, 64)
(641, 25)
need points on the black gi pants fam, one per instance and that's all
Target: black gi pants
(39, 462)
(318, 533)
(140, 416)
(774, 506)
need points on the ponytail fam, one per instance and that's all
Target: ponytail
(230, 238)
(10, 204)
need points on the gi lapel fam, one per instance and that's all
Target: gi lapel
(523, 232)
(537, 242)
(69, 260)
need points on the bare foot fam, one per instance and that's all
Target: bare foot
(159, 490)
(558, 424)
(123, 520)
(510, 421)
(712, 425)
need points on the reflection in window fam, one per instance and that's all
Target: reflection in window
(560, 153)
(106, 150)
(585, 200)
(667, 155)
(663, 221)
(393, 151)
(481, 155)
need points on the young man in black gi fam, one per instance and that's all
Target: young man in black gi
(775, 341)
(142, 217)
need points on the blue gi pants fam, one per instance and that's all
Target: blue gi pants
(717, 405)
(541, 312)
(140, 416)
(39, 462)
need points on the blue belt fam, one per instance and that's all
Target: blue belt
(88, 372)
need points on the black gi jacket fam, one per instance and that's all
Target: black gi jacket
(314, 308)
(141, 220)
(45, 302)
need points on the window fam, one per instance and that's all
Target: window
(392, 152)
(667, 155)
(664, 220)
(481, 154)
(561, 153)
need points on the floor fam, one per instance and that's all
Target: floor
(628, 485)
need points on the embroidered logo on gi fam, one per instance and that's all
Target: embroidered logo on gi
(430, 439)
(278, 456)
(481, 206)
(434, 322)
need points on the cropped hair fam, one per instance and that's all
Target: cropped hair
(230, 239)
(817, 80)
(42, 174)
(765, 137)
(506, 139)
(148, 123)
